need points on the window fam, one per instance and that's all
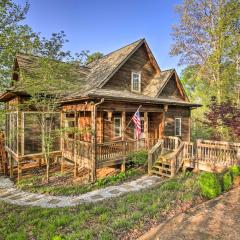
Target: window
(136, 81)
(178, 126)
(117, 127)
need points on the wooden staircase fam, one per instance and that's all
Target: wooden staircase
(162, 166)
(166, 157)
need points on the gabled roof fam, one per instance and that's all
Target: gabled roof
(97, 73)
(156, 84)
(104, 68)
(178, 82)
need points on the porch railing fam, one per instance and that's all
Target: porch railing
(171, 143)
(119, 149)
(76, 150)
(222, 153)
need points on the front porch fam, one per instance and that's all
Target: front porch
(106, 134)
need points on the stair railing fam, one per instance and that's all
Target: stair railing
(177, 159)
(154, 154)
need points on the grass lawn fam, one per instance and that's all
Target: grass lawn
(63, 184)
(125, 217)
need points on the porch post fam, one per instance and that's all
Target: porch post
(19, 169)
(123, 166)
(146, 130)
(101, 127)
(165, 109)
(93, 123)
(75, 146)
(11, 165)
(62, 120)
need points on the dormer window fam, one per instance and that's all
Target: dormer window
(136, 81)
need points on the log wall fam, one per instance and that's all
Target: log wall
(139, 61)
(175, 112)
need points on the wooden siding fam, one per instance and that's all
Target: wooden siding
(171, 89)
(139, 61)
(184, 114)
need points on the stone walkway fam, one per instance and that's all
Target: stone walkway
(10, 194)
(216, 219)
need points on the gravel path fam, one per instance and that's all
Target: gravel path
(10, 194)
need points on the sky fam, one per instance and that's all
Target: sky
(106, 25)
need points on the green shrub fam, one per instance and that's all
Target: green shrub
(209, 184)
(138, 158)
(227, 181)
(235, 171)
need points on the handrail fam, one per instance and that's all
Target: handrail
(154, 154)
(178, 159)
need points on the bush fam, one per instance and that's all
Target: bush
(227, 181)
(209, 184)
(235, 171)
(138, 158)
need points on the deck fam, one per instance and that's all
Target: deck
(106, 154)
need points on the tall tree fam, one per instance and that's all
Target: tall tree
(14, 37)
(202, 41)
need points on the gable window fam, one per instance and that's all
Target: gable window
(178, 127)
(136, 81)
(117, 127)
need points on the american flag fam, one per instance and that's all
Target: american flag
(137, 123)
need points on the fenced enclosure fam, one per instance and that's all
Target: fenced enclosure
(25, 132)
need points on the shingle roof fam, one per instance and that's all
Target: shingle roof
(129, 96)
(156, 84)
(95, 74)
(104, 67)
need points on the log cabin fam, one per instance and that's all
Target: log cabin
(114, 87)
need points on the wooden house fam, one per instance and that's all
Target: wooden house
(114, 87)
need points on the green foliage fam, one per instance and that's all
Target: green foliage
(209, 185)
(227, 181)
(109, 219)
(138, 158)
(235, 171)
(34, 184)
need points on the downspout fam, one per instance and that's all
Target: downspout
(94, 144)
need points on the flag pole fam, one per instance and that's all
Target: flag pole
(131, 119)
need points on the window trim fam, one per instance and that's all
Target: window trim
(120, 127)
(180, 127)
(139, 83)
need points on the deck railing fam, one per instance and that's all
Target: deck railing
(117, 150)
(76, 150)
(221, 153)
(171, 143)
(105, 152)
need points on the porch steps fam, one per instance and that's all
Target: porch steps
(162, 167)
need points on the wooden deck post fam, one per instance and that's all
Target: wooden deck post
(75, 147)
(146, 130)
(11, 165)
(123, 126)
(165, 109)
(19, 170)
(62, 164)
(75, 160)
(123, 166)
(93, 124)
